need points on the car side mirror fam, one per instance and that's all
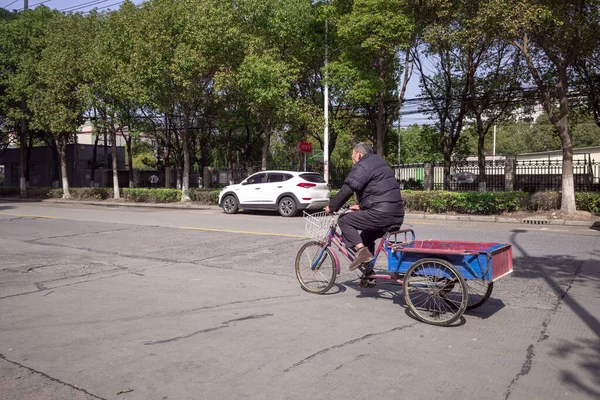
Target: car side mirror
(244, 183)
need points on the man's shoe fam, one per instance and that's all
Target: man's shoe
(362, 256)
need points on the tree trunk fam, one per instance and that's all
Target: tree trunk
(266, 125)
(129, 160)
(28, 161)
(185, 184)
(22, 158)
(115, 165)
(94, 156)
(381, 127)
(104, 178)
(481, 155)
(247, 147)
(447, 164)
(62, 151)
(229, 155)
(55, 163)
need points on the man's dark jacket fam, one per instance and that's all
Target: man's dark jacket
(375, 186)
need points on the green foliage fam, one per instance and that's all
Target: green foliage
(483, 203)
(140, 195)
(588, 202)
(420, 144)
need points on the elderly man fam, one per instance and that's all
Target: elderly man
(380, 204)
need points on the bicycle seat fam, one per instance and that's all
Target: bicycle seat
(392, 228)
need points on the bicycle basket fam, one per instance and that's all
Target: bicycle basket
(318, 225)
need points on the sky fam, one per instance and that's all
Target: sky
(87, 5)
(66, 5)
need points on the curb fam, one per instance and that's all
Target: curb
(191, 206)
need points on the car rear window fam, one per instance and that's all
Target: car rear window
(312, 177)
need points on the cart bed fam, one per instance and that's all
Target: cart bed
(474, 260)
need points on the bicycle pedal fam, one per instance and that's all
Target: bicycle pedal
(367, 283)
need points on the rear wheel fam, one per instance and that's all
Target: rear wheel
(435, 291)
(315, 268)
(287, 207)
(479, 292)
(230, 205)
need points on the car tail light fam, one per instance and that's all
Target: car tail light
(307, 185)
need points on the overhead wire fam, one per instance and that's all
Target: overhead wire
(84, 5)
(110, 5)
(30, 6)
(10, 4)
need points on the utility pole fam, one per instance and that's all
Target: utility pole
(326, 106)
(25, 5)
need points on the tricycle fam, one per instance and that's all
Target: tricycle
(440, 279)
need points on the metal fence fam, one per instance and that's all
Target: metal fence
(546, 175)
(540, 175)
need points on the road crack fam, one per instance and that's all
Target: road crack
(3, 357)
(224, 324)
(350, 342)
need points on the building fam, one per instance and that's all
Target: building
(45, 165)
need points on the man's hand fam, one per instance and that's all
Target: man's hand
(355, 207)
(327, 210)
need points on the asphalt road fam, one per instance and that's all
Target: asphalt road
(142, 303)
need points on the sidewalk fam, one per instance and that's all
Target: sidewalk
(530, 219)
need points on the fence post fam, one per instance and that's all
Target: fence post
(510, 173)
(428, 176)
(207, 177)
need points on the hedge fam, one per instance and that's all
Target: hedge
(430, 201)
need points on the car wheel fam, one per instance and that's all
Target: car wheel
(287, 207)
(230, 205)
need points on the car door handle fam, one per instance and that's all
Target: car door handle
(256, 188)
(279, 187)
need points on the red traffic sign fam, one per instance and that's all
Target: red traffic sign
(305, 147)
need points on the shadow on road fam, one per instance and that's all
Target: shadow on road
(568, 269)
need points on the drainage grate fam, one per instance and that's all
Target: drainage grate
(534, 221)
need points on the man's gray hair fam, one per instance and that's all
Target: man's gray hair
(363, 148)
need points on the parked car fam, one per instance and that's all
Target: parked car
(465, 177)
(285, 191)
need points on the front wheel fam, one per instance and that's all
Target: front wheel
(315, 268)
(287, 207)
(230, 205)
(435, 291)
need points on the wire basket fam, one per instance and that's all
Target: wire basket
(318, 225)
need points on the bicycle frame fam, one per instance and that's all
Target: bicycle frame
(335, 239)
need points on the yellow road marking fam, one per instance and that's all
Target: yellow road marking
(27, 215)
(243, 232)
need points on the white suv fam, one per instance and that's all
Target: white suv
(285, 191)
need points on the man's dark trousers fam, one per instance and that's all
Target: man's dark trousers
(372, 223)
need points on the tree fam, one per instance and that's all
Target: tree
(59, 98)
(552, 36)
(178, 61)
(371, 34)
(115, 87)
(21, 45)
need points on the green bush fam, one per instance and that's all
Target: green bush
(9, 191)
(463, 202)
(142, 195)
(588, 202)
